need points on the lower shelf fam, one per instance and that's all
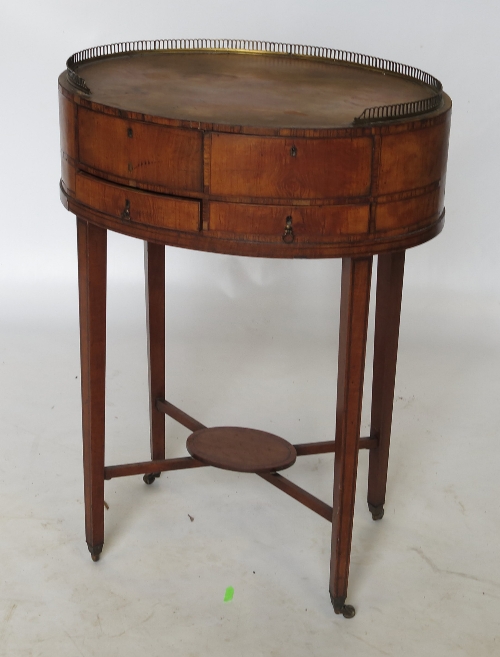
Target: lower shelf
(240, 449)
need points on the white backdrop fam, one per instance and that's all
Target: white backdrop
(250, 342)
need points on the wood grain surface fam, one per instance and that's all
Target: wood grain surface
(241, 449)
(254, 89)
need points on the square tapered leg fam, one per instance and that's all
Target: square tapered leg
(390, 273)
(154, 261)
(354, 308)
(92, 244)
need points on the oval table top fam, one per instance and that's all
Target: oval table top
(264, 90)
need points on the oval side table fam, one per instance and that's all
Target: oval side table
(255, 149)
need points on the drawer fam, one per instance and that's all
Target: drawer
(142, 152)
(414, 159)
(275, 167)
(269, 222)
(138, 207)
(67, 123)
(422, 209)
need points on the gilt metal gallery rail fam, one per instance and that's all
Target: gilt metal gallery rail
(382, 113)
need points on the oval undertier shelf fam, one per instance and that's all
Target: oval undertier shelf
(242, 450)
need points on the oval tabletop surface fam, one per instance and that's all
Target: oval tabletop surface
(241, 449)
(246, 88)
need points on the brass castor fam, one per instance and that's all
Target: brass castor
(95, 552)
(376, 511)
(339, 607)
(150, 477)
(347, 611)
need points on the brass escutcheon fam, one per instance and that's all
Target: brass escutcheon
(126, 211)
(288, 236)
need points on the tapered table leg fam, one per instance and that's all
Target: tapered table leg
(154, 261)
(92, 287)
(390, 273)
(354, 307)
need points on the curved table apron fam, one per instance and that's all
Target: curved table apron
(255, 151)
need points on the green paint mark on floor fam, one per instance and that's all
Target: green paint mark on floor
(228, 595)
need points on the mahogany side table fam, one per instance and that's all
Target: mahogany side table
(257, 149)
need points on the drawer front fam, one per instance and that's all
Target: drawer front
(275, 167)
(138, 207)
(160, 155)
(269, 223)
(413, 160)
(67, 123)
(400, 215)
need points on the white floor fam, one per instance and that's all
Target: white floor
(424, 581)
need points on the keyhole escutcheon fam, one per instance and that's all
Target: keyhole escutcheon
(288, 235)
